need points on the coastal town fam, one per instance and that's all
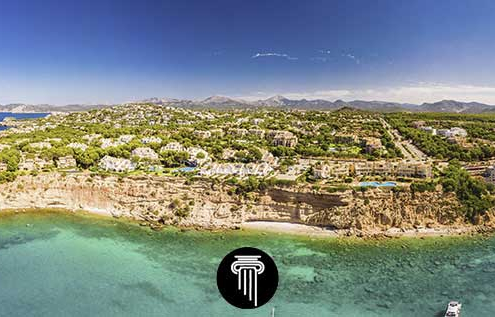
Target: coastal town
(156, 139)
(322, 151)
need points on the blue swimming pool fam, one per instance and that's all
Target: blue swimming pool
(378, 184)
(185, 169)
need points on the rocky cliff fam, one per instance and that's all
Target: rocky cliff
(165, 200)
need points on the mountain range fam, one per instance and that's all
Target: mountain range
(222, 102)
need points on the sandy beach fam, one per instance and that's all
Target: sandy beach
(289, 228)
(314, 231)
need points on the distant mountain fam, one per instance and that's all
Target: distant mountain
(222, 102)
(278, 101)
(457, 107)
(275, 101)
(160, 101)
(381, 105)
(24, 108)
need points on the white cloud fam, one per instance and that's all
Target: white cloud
(415, 93)
(286, 56)
(353, 57)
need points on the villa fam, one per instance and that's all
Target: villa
(202, 134)
(257, 121)
(41, 145)
(282, 138)
(145, 153)
(364, 168)
(109, 163)
(126, 138)
(197, 156)
(342, 138)
(369, 168)
(66, 162)
(80, 146)
(33, 164)
(383, 168)
(106, 143)
(238, 132)
(91, 137)
(452, 132)
(414, 169)
(239, 169)
(257, 132)
(267, 157)
(173, 146)
(331, 170)
(429, 130)
(152, 139)
(371, 144)
(228, 154)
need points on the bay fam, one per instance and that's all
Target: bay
(64, 264)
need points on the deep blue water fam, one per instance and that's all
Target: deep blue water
(20, 116)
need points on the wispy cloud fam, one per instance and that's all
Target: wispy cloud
(352, 57)
(283, 55)
(327, 55)
(415, 93)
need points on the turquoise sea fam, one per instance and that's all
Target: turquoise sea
(63, 264)
(20, 116)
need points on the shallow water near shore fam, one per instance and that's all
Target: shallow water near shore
(64, 264)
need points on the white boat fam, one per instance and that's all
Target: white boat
(453, 309)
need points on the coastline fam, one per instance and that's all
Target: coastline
(274, 227)
(315, 231)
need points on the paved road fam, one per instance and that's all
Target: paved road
(408, 150)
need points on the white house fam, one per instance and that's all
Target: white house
(40, 145)
(109, 163)
(126, 138)
(198, 156)
(145, 153)
(173, 146)
(152, 139)
(80, 146)
(66, 162)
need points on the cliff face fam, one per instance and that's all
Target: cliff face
(201, 203)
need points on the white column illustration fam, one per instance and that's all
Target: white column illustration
(247, 268)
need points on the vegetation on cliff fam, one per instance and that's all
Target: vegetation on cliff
(474, 194)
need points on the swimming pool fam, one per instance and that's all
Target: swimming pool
(185, 169)
(378, 184)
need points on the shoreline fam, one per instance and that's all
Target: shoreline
(315, 231)
(276, 227)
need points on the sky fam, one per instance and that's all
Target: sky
(113, 51)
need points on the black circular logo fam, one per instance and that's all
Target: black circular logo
(247, 278)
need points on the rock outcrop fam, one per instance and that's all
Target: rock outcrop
(202, 203)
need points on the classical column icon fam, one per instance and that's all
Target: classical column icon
(247, 268)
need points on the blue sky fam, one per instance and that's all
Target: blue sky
(63, 51)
